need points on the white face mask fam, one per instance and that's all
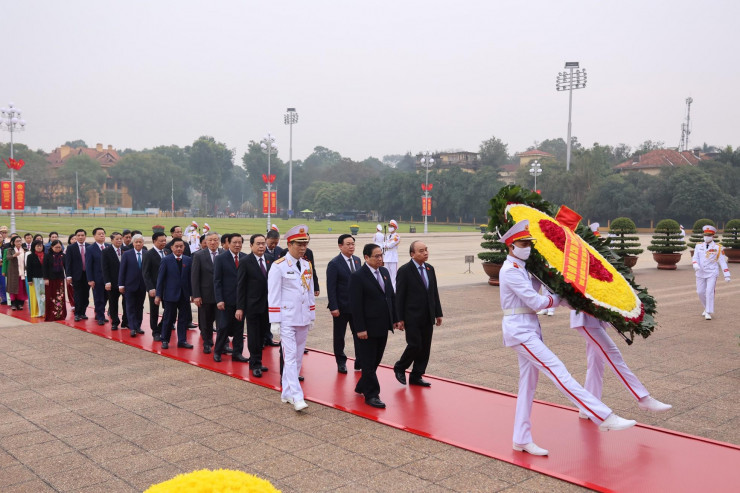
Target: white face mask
(522, 253)
(708, 239)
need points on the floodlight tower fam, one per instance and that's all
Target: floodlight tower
(572, 78)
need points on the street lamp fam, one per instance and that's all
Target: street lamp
(427, 162)
(291, 118)
(10, 121)
(268, 147)
(567, 81)
(535, 170)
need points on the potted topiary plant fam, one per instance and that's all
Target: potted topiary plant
(157, 228)
(623, 240)
(494, 256)
(731, 240)
(667, 244)
(354, 228)
(697, 233)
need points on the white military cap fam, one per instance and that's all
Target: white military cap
(520, 231)
(298, 232)
(709, 230)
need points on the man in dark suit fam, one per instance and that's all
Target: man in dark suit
(150, 268)
(273, 250)
(94, 261)
(337, 289)
(75, 265)
(111, 260)
(373, 314)
(419, 310)
(173, 288)
(176, 232)
(128, 236)
(131, 283)
(251, 300)
(203, 292)
(224, 287)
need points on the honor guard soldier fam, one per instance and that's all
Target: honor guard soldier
(292, 310)
(379, 237)
(390, 251)
(708, 258)
(522, 332)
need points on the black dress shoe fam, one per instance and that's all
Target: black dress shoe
(191, 325)
(185, 345)
(217, 357)
(133, 333)
(101, 322)
(206, 349)
(165, 345)
(114, 327)
(400, 376)
(342, 369)
(124, 326)
(375, 402)
(263, 368)
(84, 317)
(139, 331)
(257, 373)
(157, 337)
(420, 382)
(272, 343)
(77, 318)
(300, 378)
(239, 358)
(305, 351)
(229, 350)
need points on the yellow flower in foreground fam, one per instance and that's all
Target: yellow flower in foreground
(219, 481)
(616, 295)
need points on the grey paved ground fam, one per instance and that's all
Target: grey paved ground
(82, 413)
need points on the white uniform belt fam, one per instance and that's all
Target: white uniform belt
(521, 310)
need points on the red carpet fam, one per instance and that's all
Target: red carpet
(478, 419)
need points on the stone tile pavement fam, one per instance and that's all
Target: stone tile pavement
(79, 413)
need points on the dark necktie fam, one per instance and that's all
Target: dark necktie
(213, 256)
(351, 265)
(262, 268)
(423, 278)
(138, 258)
(82, 253)
(298, 265)
(161, 254)
(179, 264)
(236, 261)
(118, 253)
(380, 280)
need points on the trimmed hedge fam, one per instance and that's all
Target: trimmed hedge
(731, 236)
(697, 233)
(667, 238)
(623, 239)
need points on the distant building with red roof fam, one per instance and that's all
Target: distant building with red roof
(653, 162)
(113, 193)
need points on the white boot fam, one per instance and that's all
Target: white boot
(583, 415)
(542, 312)
(704, 313)
(707, 317)
(614, 422)
(531, 448)
(648, 403)
(300, 405)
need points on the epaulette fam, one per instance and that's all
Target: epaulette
(279, 260)
(515, 265)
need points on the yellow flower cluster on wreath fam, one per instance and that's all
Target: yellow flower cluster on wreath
(616, 295)
(218, 481)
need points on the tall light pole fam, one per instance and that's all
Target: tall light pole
(535, 170)
(268, 147)
(567, 81)
(427, 162)
(291, 118)
(12, 122)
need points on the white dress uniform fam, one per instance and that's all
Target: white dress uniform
(600, 348)
(707, 261)
(379, 237)
(522, 332)
(390, 252)
(291, 304)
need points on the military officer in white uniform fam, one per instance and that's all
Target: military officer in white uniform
(292, 308)
(379, 238)
(390, 251)
(708, 258)
(522, 332)
(600, 348)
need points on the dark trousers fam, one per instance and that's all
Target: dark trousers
(418, 348)
(82, 296)
(229, 326)
(100, 296)
(340, 330)
(113, 296)
(371, 353)
(256, 327)
(3, 294)
(206, 319)
(124, 318)
(154, 322)
(179, 310)
(134, 308)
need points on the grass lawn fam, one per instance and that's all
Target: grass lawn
(66, 225)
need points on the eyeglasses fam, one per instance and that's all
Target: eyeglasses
(380, 255)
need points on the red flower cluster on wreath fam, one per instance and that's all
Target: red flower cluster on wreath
(555, 234)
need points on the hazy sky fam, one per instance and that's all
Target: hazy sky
(368, 78)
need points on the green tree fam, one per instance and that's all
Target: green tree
(74, 144)
(493, 153)
(210, 163)
(150, 178)
(406, 163)
(84, 172)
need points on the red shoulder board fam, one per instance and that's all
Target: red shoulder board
(515, 265)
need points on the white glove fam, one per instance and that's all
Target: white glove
(275, 329)
(696, 266)
(727, 279)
